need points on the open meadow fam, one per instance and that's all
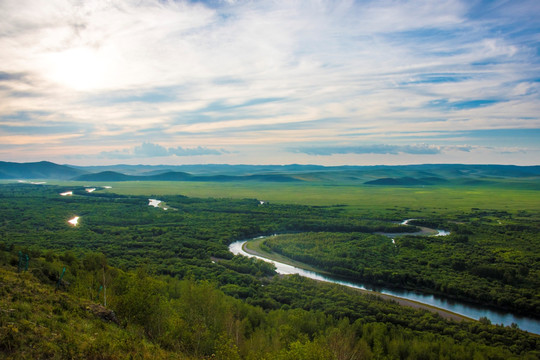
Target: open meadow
(427, 198)
(158, 265)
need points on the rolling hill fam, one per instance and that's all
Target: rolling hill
(38, 170)
(182, 176)
(402, 175)
(407, 181)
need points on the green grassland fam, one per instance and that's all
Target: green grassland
(494, 245)
(433, 198)
(493, 249)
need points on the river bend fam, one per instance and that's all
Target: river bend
(472, 311)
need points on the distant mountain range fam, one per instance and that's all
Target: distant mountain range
(407, 181)
(382, 175)
(38, 170)
(182, 176)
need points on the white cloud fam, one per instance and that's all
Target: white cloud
(150, 150)
(333, 67)
(371, 149)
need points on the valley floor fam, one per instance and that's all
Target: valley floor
(254, 248)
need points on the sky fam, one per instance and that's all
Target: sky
(270, 82)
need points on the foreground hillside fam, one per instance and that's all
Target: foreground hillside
(42, 315)
(37, 322)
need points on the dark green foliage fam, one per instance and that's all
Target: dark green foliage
(130, 232)
(485, 268)
(162, 317)
(179, 293)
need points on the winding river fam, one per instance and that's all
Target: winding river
(472, 311)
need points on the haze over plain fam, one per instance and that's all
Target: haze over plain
(270, 82)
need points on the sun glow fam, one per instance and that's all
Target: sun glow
(79, 68)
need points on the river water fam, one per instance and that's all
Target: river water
(469, 310)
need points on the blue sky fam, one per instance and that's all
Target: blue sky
(270, 82)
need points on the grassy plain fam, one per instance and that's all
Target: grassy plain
(438, 199)
(491, 258)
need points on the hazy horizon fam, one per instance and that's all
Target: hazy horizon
(135, 164)
(270, 82)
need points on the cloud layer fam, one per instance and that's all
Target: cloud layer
(372, 149)
(266, 81)
(149, 150)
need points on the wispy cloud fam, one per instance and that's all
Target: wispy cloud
(148, 150)
(371, 149)
(6, 76)
(288, 74)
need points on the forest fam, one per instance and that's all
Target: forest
(146, 282)
(474, 263)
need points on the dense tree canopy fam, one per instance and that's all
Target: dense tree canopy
(177, 291)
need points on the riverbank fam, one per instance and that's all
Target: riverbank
(424, 231)
(253, 248)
